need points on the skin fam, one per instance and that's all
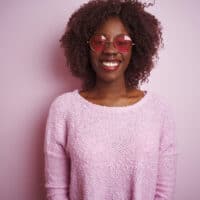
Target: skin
(110, 89)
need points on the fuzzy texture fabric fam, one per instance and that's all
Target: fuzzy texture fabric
(96, 152)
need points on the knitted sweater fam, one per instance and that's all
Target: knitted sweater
(96, 152)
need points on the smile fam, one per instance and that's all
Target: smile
(110, 64)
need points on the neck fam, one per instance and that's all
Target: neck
(111, 90)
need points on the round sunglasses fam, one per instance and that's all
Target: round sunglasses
(99, 42)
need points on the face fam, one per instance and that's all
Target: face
(110, 62)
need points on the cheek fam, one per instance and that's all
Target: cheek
(93, 59)
(127, 57)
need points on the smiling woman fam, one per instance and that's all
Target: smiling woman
(111, 140)
(143, 28)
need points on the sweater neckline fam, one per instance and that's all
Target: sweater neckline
(112, 108)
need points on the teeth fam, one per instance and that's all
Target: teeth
(111, 64)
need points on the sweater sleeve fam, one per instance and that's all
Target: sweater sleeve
(56, 168)
(165, 187)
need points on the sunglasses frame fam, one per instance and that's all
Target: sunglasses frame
(107, 42)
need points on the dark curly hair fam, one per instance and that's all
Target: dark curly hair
(145, 30)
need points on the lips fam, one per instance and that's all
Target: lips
(110, 65)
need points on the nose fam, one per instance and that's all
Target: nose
(110, 48)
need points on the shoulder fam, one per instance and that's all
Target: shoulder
(62, 102)
(160, 102)
(163, 105)
(158, 99)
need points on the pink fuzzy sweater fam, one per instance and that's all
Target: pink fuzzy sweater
(95, 152)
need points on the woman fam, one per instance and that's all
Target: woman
(110, 140)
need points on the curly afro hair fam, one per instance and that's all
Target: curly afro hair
(145, 30)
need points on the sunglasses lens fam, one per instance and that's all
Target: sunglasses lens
(97, 42)
(123, 43)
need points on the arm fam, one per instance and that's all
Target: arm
(166, 180)
(56, 160)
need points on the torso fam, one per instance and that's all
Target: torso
(133, 96)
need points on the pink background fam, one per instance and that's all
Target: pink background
(33, 73)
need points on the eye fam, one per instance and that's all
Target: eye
(98, 39)
(98, 42)
(122, 43)
(123, 40)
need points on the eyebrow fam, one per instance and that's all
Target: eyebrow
(108, 36)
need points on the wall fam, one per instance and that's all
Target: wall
(33, 73)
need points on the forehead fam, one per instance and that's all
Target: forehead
(112, 27)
